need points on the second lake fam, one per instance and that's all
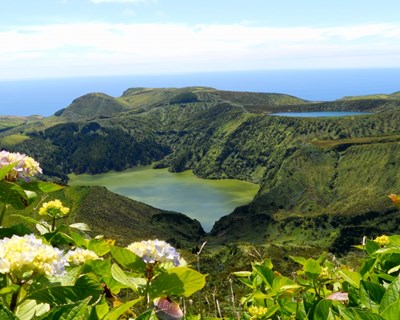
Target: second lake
(202, 199)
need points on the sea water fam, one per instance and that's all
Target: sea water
(46, 96)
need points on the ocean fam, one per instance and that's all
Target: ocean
(46, 96)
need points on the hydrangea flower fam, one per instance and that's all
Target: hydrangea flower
(53, 208)
(27, 254)
(25, 168)
(152, 251)
(80, 256)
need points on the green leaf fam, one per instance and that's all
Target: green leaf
(242, 274)
(18, 229)
(386, 250)
(357, 314)
(265, 273)
(75, 311)
(102, 268)
(371, 246)
(13, 194)
(6, 169)
(128, 259)
(6, 314)
(390, 300)
(86, 286)
(180, 281)
(352, 277)
(312, 268)
(281, 284)
(299, 260)
(115, 314)
(100, 247)
(119, 275)
(26, 310)
(99, 311)
(323, 311)
(371, 295)
(80, 226)
(41, 186)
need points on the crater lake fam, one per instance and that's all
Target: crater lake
(202, 199)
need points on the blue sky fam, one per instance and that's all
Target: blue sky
(60, 38)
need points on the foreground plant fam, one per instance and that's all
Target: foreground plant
(17, 185)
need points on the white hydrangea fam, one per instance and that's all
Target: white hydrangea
(25, 168)
(152, 251)
(27, 254)
(80, 256)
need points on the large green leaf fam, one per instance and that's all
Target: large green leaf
(352, 277)
(282, 284)
(180, 281)
(6, 169)
(371, 295)
(18, 229)
(312, 268)
(100, 247)
(371, 246)
(6, 314)
(265, 273)
(41, 186)
(391, 299)
(73, 311)
(128, 260)
(115, 314)
(26, 310)
(357, 314)
(102, 268)
(136, 284)
(13, 194)
(86, 286)
(323, 311)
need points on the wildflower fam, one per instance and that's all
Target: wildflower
(80, 256)
(53, 209)
(324, 273)
(382, 240)
(257, 312)
(167, 309)
(25, 167)
(27, 255)
(152, 251)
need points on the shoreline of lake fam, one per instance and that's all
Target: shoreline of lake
(205, 200)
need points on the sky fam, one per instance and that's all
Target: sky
(64, 38)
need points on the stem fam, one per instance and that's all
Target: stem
(2, 214)
(53, 224)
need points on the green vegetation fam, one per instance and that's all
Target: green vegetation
(323, 181)
(58, 271)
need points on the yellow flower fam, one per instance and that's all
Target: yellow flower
(324, 273)
(257, 312)
(382, 240)
(53, 209)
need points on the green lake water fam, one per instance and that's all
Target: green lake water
(202, 199)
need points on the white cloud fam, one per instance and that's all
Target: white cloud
(94, 48)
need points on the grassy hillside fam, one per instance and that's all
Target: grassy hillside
(119, 218)
(320, 177)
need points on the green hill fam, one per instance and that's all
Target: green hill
(324, 181)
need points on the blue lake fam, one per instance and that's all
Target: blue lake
(319, 114)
